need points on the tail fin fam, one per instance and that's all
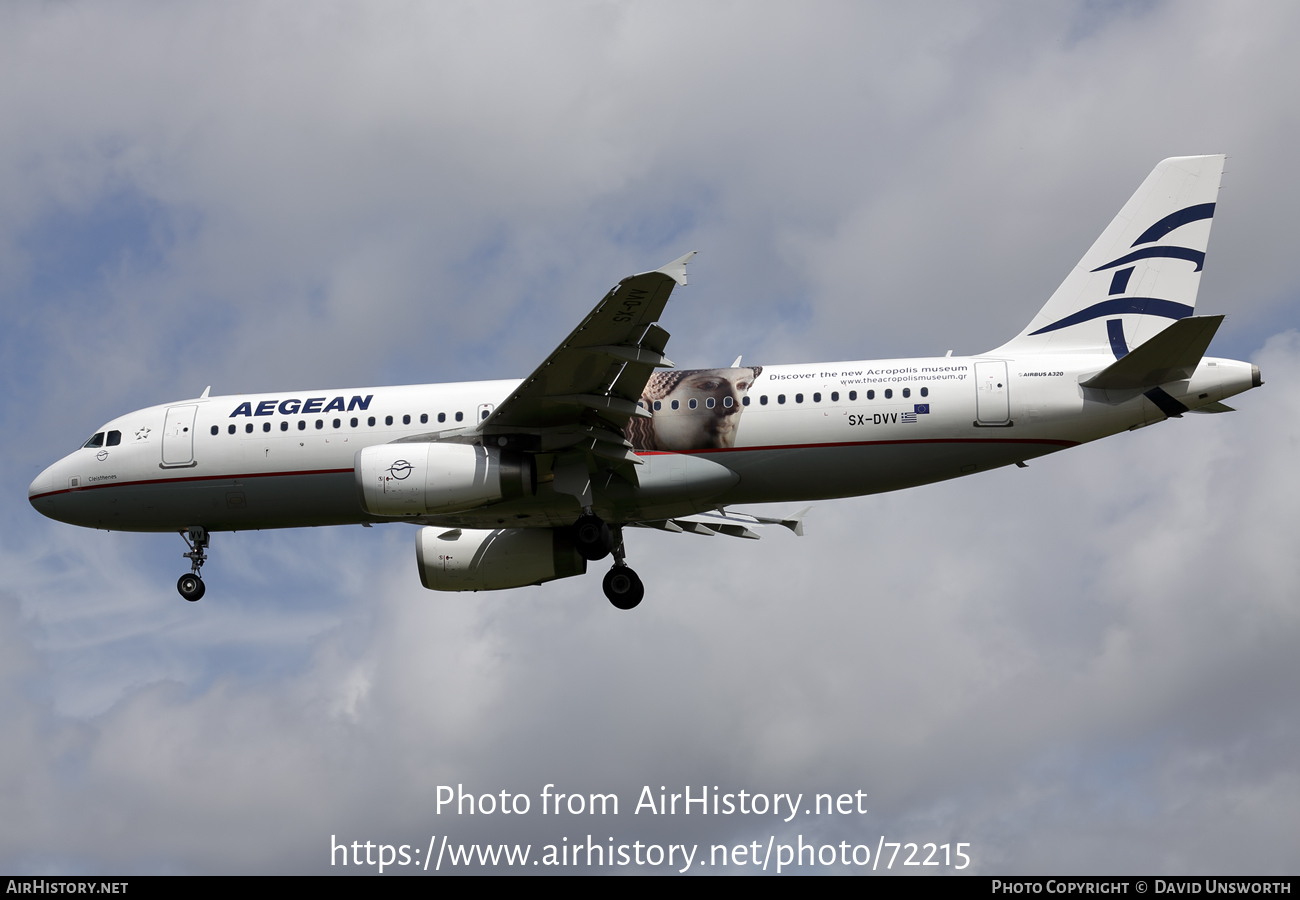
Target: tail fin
(1141, 274)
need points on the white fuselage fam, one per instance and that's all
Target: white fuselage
(806, 432)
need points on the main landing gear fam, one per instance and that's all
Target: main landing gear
(595, 540)
(191, 585)
(592, 537)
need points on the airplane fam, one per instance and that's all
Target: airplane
(521, 482)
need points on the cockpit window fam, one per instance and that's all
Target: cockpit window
(96, 441)
(114, 438)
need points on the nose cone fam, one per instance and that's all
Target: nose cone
(42, 484)
(40, 493)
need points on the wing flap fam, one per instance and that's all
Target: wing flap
(637, 355)
(729, 523)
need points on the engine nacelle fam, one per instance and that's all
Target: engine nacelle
(418, 479)
(466, 559)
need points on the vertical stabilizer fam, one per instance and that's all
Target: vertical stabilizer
(1142, 274)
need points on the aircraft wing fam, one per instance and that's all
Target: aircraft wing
(587, 390)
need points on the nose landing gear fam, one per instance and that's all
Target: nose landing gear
(196, 538)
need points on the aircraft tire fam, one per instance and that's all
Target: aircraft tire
(623, 587)
(191, 587)
(592, 538)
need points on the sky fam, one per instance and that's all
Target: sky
(1082, 667)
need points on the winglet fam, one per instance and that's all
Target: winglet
(676, 270)
(795, 522)
(204, 395)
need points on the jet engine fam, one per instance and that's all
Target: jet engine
(417, 479)
(464, 559)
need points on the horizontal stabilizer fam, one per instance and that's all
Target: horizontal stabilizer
(1171, 355)
(1215, 407)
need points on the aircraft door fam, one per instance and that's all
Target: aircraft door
(484, 410)
(178, 436)
(992, 403)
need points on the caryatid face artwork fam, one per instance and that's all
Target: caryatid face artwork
(693, 409)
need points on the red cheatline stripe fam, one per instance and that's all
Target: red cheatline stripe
(1044, 441)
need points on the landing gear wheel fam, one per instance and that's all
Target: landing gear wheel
(191, 587)
(623, 587)
(592, 538)
(196, 537)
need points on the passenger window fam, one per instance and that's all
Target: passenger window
(284, 426)
(371, 421)
(709, 403)
(460, 417)
(728, 402)
(302, 424)
(337, 423)
(96, 441)
(817, 398)
(484, 414)
(889, 393)
(925, 392)
(692, 403)
(353, 423)
(248, 429)
(115, 437)
(319, 424)
(780, 398)
(853, 395)
(424, 418)
(266, 426)
(215, 429)
(442, 417)
(659, 404)
(406, 420)
(676, 404)
(835, 396)
(798, 398)
(388, 420)
(907, 392)
(762, 401)
(230, 430)
(744, 401)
